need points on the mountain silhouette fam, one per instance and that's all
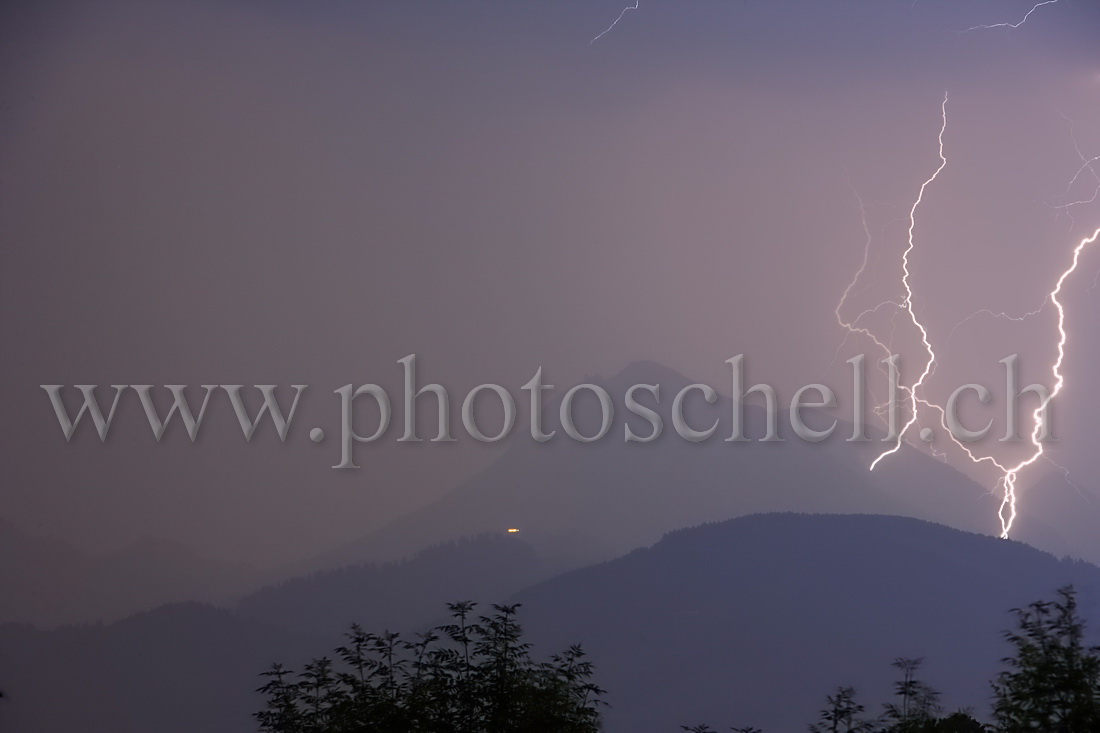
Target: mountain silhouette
(753, 621)
(399, 594)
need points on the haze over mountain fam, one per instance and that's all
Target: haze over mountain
(587, 502)
(399, 594)
(48, 582)
(573, 503)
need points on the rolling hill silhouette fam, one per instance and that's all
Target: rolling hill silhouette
(754, 620)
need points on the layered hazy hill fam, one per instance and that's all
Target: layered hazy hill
(586, 502)
(399, 594)
(749, 621)
(48, 582)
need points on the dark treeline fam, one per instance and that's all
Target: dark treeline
(1051, 685)
(476, 675)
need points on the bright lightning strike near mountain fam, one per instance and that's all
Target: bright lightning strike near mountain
(1010, 473)
(1007, 511)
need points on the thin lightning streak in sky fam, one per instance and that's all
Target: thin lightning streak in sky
(1007, 512)
(870, 311)
(1095, 194)
(616, 22)
(1086, 165)
(908, 301)
(1011, 25)
(851, 326)
(1065, 475)
(997, 315)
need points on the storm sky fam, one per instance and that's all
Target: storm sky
(305, 192)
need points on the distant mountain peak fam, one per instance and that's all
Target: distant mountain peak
(645, 371)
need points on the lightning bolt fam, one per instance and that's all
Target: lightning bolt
(1007, 512)
(615, 22)
(907, 302)
(1011, 25)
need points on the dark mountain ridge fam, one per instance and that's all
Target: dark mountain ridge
(753, 621)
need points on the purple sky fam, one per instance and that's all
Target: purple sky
(304, 192)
